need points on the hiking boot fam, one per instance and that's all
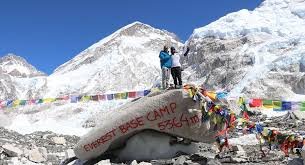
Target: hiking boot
(178, 86)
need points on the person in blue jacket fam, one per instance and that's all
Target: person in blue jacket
(166, 64)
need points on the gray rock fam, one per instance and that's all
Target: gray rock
(134, 162)
(12, 151)
(213, 162)
(69, 153)
(104, 162)
(144, 163)
(38, 155)
(180, 160)
(59, 140)
(239, 151)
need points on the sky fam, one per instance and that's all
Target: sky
(51, 32)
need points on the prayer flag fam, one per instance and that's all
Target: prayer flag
(94, 98)
(102, 97)
(211, 95)
(16, 103)
(85, 98)
(146, 92)
(277, 105)
(286, 105)
(39, 101)
(9, 103)
(302, 106)
(259, 128)
(140, 93)
(295, 106)
(156, 89)
(132, 94)
(267, 104)
(58, 99)
(124, 95)
(32, 101)
(241, 101)
(221, 95)
(62, 98)
(3, 104)
(109, 96)
(256, 103)
(66, 97)
(22, 102)
(246, 116)
(48, 100)
(74, 99)
(117, 96)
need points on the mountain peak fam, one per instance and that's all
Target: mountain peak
(136, 32)
(128, 59)
(136, 23)
(17, 66)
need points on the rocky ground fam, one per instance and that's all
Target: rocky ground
(50, 148)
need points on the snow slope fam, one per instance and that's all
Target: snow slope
(257, 53)
(63, 118)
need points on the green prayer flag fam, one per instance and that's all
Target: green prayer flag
(277, 105)
(22, 102)
(267, 104)
(124, 95)
(302, 106)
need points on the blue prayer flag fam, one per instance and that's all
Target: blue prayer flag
(286, 105)
(140, 93)
(146, 92)
(9, 103)
(74, 99)
(221, 95)
(259, 128)
(109, 96)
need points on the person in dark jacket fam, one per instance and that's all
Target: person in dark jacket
(166, 64)
(176, 67)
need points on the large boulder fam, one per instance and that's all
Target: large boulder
(170, 112)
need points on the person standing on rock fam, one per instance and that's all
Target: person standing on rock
(166, 64)
(176, 67)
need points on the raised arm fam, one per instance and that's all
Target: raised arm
(187, 51)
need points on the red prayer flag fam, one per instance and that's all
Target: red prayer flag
(102, 97)
(246, 116)
(66, 97)
(232, 119)
(132, 94)
(256, 103)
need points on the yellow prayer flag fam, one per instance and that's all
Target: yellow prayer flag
(16, 103)
(48, 100)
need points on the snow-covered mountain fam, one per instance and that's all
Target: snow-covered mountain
(18, 78)
(126, 60)
(259, 53)
(17, 66)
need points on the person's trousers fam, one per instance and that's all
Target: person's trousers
(165, 77)
(176, 74)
